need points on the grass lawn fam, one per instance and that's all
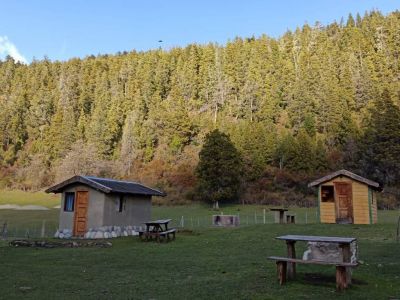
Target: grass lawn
(213, 263)
(28, 198)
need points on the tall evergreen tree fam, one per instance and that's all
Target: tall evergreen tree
(380, 144)
(219, 169)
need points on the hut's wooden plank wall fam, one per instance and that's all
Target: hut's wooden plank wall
(361, 210)
(327, 213)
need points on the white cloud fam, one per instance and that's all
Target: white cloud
(8, 48)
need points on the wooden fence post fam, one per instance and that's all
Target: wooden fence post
(4, 232)
(264, 215)
(43, 231)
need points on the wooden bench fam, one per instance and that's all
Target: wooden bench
(342, 279)
(168, 233)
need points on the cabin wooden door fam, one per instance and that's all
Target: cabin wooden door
(344, 205)
(81, 208)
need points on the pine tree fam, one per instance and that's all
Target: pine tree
(304, 155)
(219, 169)
(380, 144)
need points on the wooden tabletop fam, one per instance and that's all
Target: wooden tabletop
(279, 209)
(313, 238)
(158, 222)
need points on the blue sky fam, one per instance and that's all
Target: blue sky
(77, 28)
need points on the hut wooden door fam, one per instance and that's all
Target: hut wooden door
(344, 206)
(81, 208)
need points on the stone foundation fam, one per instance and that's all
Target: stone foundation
(104, 232)
(328, 252)
(226, 220)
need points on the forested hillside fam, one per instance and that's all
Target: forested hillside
(313, 100)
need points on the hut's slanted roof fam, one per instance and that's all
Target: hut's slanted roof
(347, 174)
(107, 186)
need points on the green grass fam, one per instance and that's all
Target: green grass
(195, 217)
(213, 263)
(29, 198)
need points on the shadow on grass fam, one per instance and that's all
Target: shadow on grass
(325, 280)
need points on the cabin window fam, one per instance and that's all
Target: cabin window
(69, 201)
(121, 204)
(327, 193)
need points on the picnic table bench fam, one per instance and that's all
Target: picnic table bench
(286, 266)
(168, 233)
(158, 230)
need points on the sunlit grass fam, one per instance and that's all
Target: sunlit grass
(207, 263)
(204, 262)
(28, 198)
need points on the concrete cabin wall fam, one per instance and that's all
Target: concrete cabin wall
(103, 209)
(95, 215)
(360, 201)
(136, 211)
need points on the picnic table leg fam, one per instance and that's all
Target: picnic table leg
(291, 267)
(346, 253)
(341, 278)
(281, 270)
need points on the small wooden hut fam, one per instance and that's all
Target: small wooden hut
(346, 198)
(89, 202)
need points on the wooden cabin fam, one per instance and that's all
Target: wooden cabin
(346, 198)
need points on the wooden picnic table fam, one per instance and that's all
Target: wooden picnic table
(157, 225)
(343, 242)
(281, 212)
(157, 229)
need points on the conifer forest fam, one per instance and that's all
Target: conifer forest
(314, 100)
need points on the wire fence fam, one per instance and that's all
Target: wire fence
(46, 228)
(245, 219)
(43, 229)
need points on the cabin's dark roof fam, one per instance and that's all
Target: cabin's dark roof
(107, 186)
(344, 173)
